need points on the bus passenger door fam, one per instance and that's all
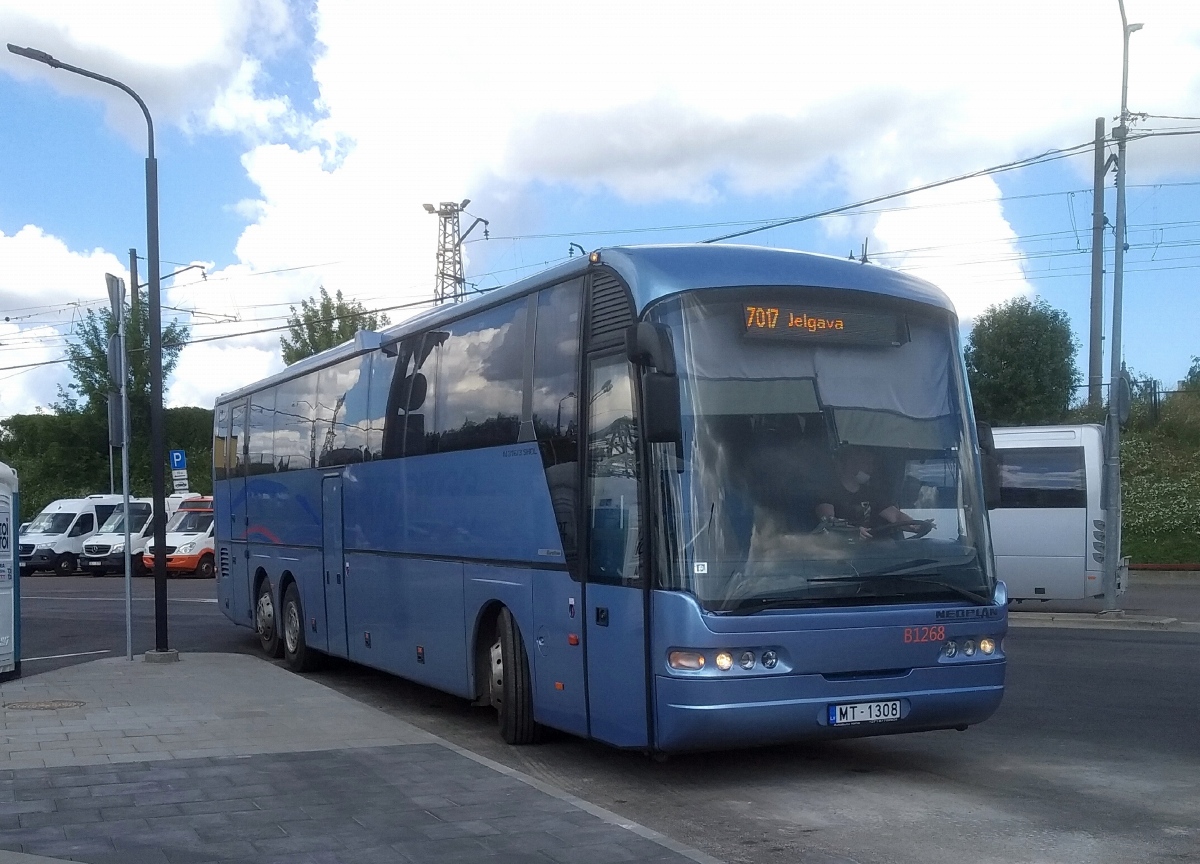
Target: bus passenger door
(616, 643)
(333, 564)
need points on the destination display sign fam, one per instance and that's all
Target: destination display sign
(816, 324)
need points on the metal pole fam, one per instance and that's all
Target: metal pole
(111, 482)
(125, 439)
(1096, 332)
(1112, 522)
(157, 450)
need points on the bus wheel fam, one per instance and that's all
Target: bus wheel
(295, 649)
(65, 565)
(265, 623)
(206, 567)
(511, 690)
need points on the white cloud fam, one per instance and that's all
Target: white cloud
(976, 260)
(430, 102)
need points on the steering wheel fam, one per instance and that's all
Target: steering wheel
(915, 527)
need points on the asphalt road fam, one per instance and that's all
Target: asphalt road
(1093, 756)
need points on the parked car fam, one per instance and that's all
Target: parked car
(190, 546)
(55, 538)
(105, 552)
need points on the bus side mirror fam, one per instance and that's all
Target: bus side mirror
(649, 346)
(989, 464)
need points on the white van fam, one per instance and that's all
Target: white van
(1048, 532)
(55, 538)
(104, 553)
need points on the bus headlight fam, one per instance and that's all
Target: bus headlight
(950, 649)
(724, 661)
(746, 661)
(986, 645)
(969, 648)
(686, 660)
(769, 659)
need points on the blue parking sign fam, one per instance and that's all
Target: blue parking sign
(178, 460)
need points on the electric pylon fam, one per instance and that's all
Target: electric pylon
(451, 285)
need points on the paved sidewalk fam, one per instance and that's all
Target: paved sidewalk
(225, 757)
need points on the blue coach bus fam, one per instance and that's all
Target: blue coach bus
(669, 498)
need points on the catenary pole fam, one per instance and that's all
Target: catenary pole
(1096, 331)
(1112, 522)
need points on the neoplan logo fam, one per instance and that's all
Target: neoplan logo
(961, 614)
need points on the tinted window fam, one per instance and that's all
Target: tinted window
(237, 437)
(1043, 477)
(404, 413)
(614, 545)
(260, 456)
(220, 441)
(295, 423)
(85, 525)
(556, 403)
(480, 376)
(383, 367)
(342, 412)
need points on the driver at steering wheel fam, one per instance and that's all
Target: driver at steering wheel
(855, 494)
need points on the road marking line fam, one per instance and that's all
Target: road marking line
(121, 599)
(63, 656)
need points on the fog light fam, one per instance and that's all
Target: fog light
(950, 649)
(969, 648)
(746, 661)
(685, 660)
(724, 661)
(987, 646)
(769, 659)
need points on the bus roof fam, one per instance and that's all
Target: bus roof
(653, 272)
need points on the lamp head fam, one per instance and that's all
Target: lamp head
(34, 54)
(429, 208)
(1133, 28)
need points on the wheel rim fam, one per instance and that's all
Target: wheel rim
(496, 683)
(291, 627)
(265, 615)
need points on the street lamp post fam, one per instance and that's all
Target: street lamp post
(1112, 465)
(157, 454)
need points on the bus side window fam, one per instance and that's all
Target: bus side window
(397, 416)
(237, 438)
(556, 405)
(220, 442)
(613, 527)
(383, 368)
(261, 454)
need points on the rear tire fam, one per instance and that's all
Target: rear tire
(206, 568)
(65, 565)
(296, 653)
(266, 623)
(513, 689)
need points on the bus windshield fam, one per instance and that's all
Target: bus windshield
(190, 521)
(115, 523)
(827, 454)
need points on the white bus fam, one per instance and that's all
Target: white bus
(1048, 532)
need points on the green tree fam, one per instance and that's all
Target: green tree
(323, 322)
(1021, 363)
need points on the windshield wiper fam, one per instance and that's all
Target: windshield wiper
(908, 575)
(758, 604)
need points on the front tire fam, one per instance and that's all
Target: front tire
(65, 565)
(266, 622)
(512, 690)
(296, 653)
(206, 568)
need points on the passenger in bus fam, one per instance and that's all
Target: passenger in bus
(856, 494)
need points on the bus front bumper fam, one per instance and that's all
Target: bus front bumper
(710, 713)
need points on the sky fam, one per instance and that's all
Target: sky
(298, 141)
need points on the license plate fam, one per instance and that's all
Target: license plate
(95, 563)
(864, 712)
